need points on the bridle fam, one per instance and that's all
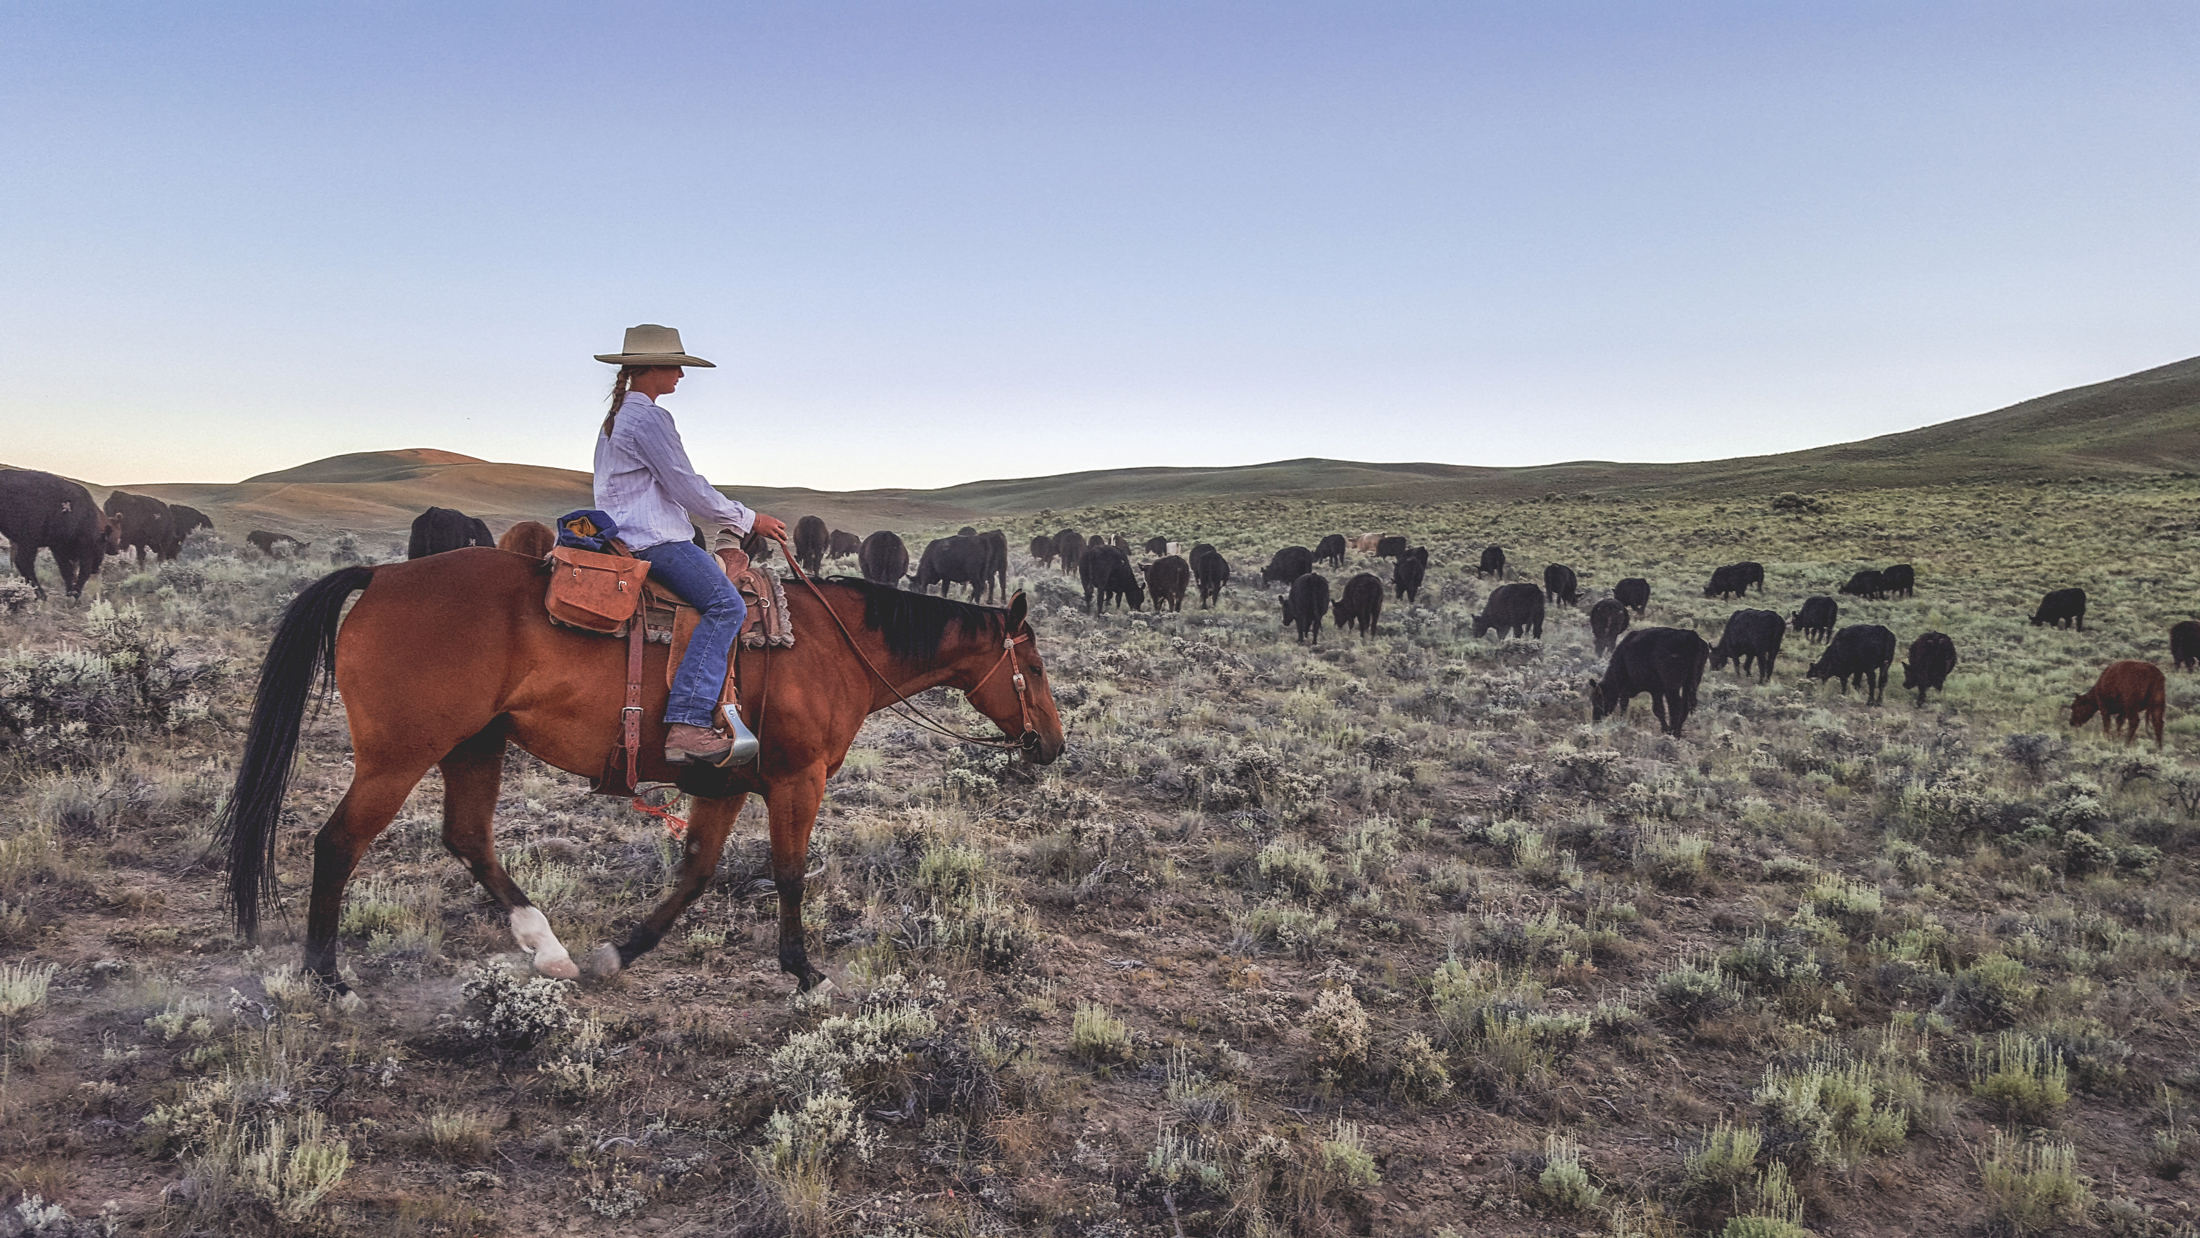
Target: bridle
(1027, 742)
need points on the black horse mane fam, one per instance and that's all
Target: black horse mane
(914, 624)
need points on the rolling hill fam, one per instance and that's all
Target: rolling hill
(2143, 422)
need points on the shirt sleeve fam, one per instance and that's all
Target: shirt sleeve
(658, 445)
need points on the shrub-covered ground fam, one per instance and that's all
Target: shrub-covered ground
(1378, 936)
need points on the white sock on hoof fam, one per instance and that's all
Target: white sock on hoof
(603, 961)
(531, 929)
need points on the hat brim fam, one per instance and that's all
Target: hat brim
(653, 358)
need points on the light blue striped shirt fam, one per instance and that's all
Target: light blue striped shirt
(644, 481)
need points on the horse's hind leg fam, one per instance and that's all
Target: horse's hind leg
(708, 826)
(365, 811)
(472, 772)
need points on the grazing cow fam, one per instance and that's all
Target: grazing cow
(1868, 583)
(2184, 645)
(1407, 574)
(1493, 562)
(188, 519)
(1331, 550)
(1633, 593)
(1751, 636)
(1817, 617)
(1157, 545)
(1858, 652)
(811, 540)
(1094, 568)
(1513, 610)
(951, 561)
(1667, 663)
(2126, 693)
(1108, 577)
(1069, 548)
(1932, 656)
(1900, 580)
(967, 530)
(1288, 565)
(2061, 608)
(1212, 571)
(1167, 578)
(264, 541)
(1042, 549)
(146, 524)
(1734, 580)
(1361, 603)
(841, 545)
(532, 538)
(1558, 581)
(1390, 547)
(1121, 543)
(884, 559)
(439, 529)
(1305, 605)
(995, 542)
(1366, 543)
(1607, 620)
(1203, 548)
(39, 511)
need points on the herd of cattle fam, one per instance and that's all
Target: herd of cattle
(41, 511)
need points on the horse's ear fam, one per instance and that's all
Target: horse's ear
(1019, 608)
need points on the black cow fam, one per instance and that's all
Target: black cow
(146, 524)
(1203, 548)
(1166, 579)
(2061, 608)
(1817, 617)
(2184, 645)
(264, 541)
(1734, 580)
(188, 519)
(1390, 547)
(995, 542)
(1493, 562)
(1513, 610)
(1361, 604)
(1667, 663)
(1305, 605)
(841, 545)
(812, 538)
(1069, 547)
(951, 561)
(1900, 580)
(1107, 576)
(884, 559)
(1607, 619)
(1288, 565)
(1751, 636)
(1859, 652)
(1042, 549)
(446, 528)
(1212, 571)
(39, 511)
(1558, 581)
(1331, 550)
(1157, 545)
(1633, 593)
(1407, 574)
(1866, 584)
(1932, 656)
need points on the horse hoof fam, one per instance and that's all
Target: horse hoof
(603, 962)
(560, 968)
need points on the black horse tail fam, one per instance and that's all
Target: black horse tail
(303, 652)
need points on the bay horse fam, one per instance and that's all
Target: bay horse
(444, 660)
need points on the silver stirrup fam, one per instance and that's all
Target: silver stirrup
(745, 743)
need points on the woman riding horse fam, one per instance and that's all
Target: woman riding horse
(644, 481)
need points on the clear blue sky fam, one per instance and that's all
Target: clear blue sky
(933, 242)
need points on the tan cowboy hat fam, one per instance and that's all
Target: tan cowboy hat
(650, 344)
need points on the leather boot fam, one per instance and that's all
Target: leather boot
(685, 744)
(743, 746)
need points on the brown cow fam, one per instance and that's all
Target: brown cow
(2124, 694)
(843, 545)
(1166, 579)
(1366, 543)
(146, 524)
(532, 538)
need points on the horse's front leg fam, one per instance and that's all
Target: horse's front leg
(793, 804)
(708, 825)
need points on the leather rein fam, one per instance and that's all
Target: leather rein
(910, 710)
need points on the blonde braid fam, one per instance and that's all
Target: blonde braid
(618, 394)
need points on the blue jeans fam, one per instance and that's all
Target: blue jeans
(695, 574)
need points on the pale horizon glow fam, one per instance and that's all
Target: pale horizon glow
(944, 243)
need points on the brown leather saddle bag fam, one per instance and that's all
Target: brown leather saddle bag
(594, 592)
